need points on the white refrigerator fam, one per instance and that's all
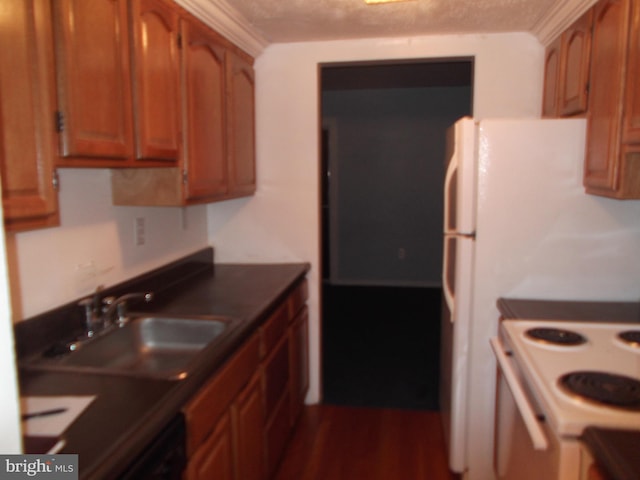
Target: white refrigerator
(518, 224)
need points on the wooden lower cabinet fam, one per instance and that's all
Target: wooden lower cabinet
(299, 362)
(239, 423)
(214, 458)
(247, 414)
(220, 418)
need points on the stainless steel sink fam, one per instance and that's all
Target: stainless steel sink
(152, 346)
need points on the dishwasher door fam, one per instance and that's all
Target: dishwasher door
(165, 458)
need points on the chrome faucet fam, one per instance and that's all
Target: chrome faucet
(99, 311)
(119, 305)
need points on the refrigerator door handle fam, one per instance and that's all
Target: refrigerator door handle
(452, 167)
(446, 279)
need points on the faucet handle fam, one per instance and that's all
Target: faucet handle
(89, 315)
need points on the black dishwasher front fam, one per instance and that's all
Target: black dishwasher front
(165, 458)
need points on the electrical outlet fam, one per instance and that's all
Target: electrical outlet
(139, 231)
(402, 253)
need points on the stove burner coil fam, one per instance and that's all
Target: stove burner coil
(630, 337)
(603, 388)
(556, 336)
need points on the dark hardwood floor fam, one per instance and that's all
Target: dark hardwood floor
(344, 443)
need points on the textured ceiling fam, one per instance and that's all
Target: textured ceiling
(307, 20)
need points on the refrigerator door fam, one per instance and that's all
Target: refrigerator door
(456, 320)
(457, 281)
(460, 180)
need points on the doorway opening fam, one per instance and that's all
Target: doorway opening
(383, 161)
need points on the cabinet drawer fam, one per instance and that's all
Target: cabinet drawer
(210, 403)
(276, 375)
(273, 329)
(298, 298)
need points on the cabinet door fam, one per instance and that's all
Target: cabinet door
(154, 26)
(94, 90)
(240, 126)
(247, 414)
(203, 60)
(576, 55)
(27, 143)
(299, 340)
(608, 53)
(632, 95)
(214, 459)
(551, 79)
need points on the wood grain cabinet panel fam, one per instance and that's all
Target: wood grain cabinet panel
(214, 459)
(567, 63)
(574, 71)
(240, 126)
(631, 132)
(27, 139)
(551, 79)
(93, 80)
(299, 362)
(607, 171)
(247, 414)
(203, 77)
(155, 68)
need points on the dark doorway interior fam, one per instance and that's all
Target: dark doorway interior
(383, 168)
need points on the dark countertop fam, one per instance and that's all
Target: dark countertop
(614, 451)
(569, 310)
(128, 411)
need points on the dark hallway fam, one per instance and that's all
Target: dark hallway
(383, 159)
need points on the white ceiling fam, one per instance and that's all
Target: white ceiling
(306, 20)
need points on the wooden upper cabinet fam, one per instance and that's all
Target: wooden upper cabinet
(574, 71)
(27, 139)
(566, 79)
(203, 83)
(604, 166)
(631, 133)
(154, 34)
(94, 84)
(241, 125)
(551, 79)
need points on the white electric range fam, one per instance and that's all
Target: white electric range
(555, 379)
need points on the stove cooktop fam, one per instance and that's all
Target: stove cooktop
(555, 367)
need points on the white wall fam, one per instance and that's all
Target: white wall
(281, 222)
(10, 440)
(94, 245)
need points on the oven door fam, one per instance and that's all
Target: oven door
(525, 448)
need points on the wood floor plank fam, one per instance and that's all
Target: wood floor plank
(344, 443)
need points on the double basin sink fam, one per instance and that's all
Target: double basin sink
(154, 346)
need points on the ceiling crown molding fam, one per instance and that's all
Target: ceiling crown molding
(558, 18)
(226, 20)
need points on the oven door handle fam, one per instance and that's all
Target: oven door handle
(536, 433)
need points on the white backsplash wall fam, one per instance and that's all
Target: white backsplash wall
(95, 244)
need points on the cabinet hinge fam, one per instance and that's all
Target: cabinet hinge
(179, 40)
(185, 177)
(55, 180)
(59, 121)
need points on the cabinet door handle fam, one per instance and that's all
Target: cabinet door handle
(538, 438)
